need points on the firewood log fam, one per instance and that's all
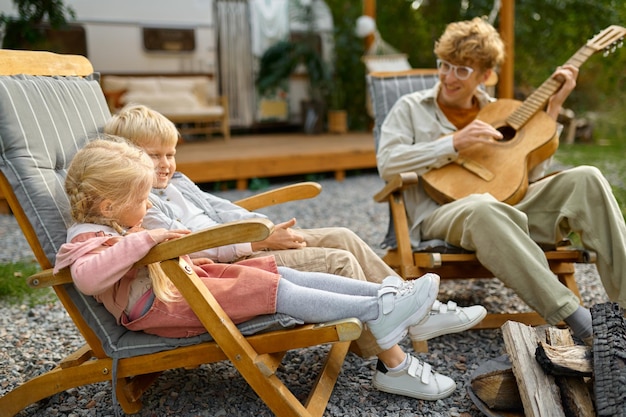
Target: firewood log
(497, 389)
(565, 360)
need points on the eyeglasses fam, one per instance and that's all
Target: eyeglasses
(460, 72)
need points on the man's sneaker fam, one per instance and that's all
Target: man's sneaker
(416, 380)
(445, 319)
(402, 304)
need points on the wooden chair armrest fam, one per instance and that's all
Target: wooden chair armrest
(249, 230)
(43, 63)
(299, 191)
(398, 182)
(47, 278)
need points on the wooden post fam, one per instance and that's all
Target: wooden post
(369, 9)
(507, 32)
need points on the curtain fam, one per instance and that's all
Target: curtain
(235, 60)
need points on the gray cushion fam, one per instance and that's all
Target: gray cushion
(118, 342)
(385, 91)
(43, 122)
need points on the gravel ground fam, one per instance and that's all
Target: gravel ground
(33, 339)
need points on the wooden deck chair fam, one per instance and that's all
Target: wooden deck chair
(438, 256)
(45, 117)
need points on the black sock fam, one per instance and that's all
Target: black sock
(580, 323)
(401, 366)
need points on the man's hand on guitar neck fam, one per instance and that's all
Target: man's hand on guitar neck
(566, 74)
(481, 132)
(475, 132)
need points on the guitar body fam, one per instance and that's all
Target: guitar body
(504, 165)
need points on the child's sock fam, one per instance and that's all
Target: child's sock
(402, 365)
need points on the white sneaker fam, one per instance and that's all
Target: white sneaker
(402, 304)
(447, 318)
(416, 380)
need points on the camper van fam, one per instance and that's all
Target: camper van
(217, 38)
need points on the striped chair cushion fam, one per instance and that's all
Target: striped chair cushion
(386, 88)
(43, 123)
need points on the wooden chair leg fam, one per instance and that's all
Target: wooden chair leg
(569, 281)
(130, 391)
(54, 381)
(354, 348)
(420, 346)
(319, 397)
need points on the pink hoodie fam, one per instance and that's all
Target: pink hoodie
(101, 265)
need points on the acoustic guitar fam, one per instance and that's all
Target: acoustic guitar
(529, 137)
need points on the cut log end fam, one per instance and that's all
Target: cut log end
(565, 360)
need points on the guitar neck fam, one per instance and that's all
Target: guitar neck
(539, 98)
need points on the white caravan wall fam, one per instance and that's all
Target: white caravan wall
(114, 33)
(173, 12)
(119, 49)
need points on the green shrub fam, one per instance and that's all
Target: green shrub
(13, 286)
(607, 155)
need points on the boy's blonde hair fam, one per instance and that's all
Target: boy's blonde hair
(112, 169)
(142, 126)
(471, 42)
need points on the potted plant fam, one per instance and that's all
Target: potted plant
(41, 25)
(337, 113)
(346, 97)
(285, 57)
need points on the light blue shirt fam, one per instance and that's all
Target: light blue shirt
(183, 205)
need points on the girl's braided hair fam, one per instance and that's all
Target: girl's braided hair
(110, 168)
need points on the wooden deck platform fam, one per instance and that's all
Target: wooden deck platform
(274, 155)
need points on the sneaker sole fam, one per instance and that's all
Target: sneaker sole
(413, 394)
(450, 330)
(393, 338)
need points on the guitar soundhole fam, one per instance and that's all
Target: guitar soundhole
(508, 133)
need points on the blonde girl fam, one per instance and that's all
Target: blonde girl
(106, 200)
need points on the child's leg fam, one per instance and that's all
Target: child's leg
(329, 282)
(396, 305)
(315, 306)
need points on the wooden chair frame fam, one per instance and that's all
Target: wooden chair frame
(255, 357)
(411, 264)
